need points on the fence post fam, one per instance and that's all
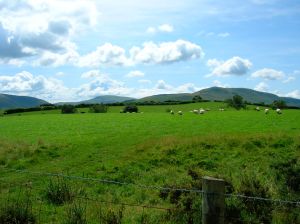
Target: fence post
(213, 200)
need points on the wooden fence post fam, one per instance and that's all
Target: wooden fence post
(213, 200)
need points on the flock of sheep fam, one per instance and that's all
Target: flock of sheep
(202, 111)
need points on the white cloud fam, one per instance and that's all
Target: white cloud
(24, 83)
(226, 34)
(293, 94)
(220, 84)
(161, 84)
(105, 55)
(167, 52)
(268, 74)
(296, 72)
(187, 88)
(60, 74)
(163, 28)
(92, 74)
(134, 74)
(233, 66)
(262, 86)
(166, 28)
(289, 79)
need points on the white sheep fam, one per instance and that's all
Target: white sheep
(201, 111)
(266, 111)
(221, 109)
(195, 111)
(257, 109)
(278, 111)
(180, 112)
(172, 112)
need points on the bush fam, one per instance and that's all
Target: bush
(98, 108)
(130, 109)
(76, 214)
(236, 102)
(17, 211)
(111, 216)
(68, 109)
(59, 192)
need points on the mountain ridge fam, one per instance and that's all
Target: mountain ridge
(213, 93)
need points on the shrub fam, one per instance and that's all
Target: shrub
(98, 108)
(236, 102)
(59, 192)
(76, 214)
(17, 211)
(111, 216)
(130, 109)
(68, 109)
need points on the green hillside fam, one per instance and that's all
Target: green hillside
(11, 101)
(168, 97)
(107, 99)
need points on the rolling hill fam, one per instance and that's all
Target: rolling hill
(221, 94)
(100, 99)
(12, 101)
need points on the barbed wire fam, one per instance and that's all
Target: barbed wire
(152, 187)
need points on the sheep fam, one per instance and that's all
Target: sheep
(180, 112)
(172, 112)
(207, 109)
(266, 111)
(195, 111)
(201, 111)
(221, 109)
(257, 109)
(278, 111)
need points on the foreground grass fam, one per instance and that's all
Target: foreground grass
(257, 154)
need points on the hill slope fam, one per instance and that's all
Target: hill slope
(107, 99)
(12, 101)
(221, 94)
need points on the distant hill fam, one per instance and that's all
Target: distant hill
(221, 94)
(101, 99)
(12, 101)
(167, 97)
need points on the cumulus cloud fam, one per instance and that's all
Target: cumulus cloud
(233, 66)
(167, 52)
(166, 28)
(268, 74)
(10, 46)
(294, 94)
(134, 74)
(105, 55)
(262, 86)
(25, 83)
(161, 84)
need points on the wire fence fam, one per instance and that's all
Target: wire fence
(185, 207)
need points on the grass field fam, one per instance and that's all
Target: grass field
(257, 155)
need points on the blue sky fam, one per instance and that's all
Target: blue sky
(66, 50)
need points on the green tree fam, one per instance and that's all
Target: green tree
(98, 108)
(278, 104)
(236, 102)
(130, 109)
(68, 109)
(197, 98)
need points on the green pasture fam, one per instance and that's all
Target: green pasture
(255, 153)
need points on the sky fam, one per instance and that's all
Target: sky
(73, 50)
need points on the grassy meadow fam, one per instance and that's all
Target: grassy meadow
(257, 155)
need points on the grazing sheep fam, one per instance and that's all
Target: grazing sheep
(180, 112)
(266, 111)
(278, 111)
(257, 109)
(172, 112)
(221, 109)
(201, 111)
(195, 111)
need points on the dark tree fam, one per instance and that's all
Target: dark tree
(197, 99)
(130, 109)
(278, 104)
(236, 102)
(68, 109)
(98, 108)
